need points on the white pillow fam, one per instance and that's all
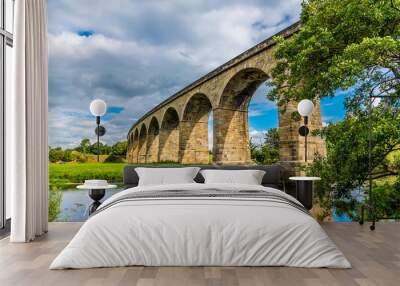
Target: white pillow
(166, 176)
(248, 177)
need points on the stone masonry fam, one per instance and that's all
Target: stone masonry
(177, 129)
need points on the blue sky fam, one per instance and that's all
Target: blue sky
(134, 54)
(263, 114)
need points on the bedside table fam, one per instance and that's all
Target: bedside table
(304, 190)
(96, 193)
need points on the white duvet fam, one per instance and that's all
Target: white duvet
(199, 231)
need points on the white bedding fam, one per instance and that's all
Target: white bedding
(200, 231)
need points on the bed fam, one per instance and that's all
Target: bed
(201, 224)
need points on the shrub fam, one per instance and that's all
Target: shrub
(55, 154)
(115, 159)
(55, 197)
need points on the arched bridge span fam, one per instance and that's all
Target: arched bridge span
(177, 129)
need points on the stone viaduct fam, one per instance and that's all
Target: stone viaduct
(177, 129)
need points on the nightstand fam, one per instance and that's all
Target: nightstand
(304, 190)
(96, 193)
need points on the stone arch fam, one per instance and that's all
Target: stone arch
(231, 133)
(153, 140)
(193, 141)
(142, 148)
(230, 88)
(169, 136)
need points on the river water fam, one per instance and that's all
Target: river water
(74, 205)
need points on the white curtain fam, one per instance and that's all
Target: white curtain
(26, 123)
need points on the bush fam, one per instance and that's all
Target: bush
(77, 156)
(115, 159)
(56, 154)
(55, 197)
(387, 199)
(268, 152)
(120, 148)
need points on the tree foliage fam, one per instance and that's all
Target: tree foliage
(345, 168)
(79, 154)
(56, 154)
(55, 197)
(341, 44)
(120, 148)
(84, 146)
(268, 152)
(349, 45)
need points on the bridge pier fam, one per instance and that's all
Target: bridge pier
(231, 137)
(193, 146)
(193, 131)
(132, 152)
(142, 148)
(291, 144)
(169, 141)
(153, 140)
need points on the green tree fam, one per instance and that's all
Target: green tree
(256, 153)
(341, 44)
(104, 149)
(56, 154)
(120, 148)
(84, 146)
(350, 45)
(270, 149)
(345, 168)
(268, 152)
(67, 157)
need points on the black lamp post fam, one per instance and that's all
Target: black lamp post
(98, 108)
(304, 184)
(305, 108)
(371, 204)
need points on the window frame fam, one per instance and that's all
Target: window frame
(6, 39)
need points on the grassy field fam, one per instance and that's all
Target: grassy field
(67, 175)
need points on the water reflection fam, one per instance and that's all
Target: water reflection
(75, 203)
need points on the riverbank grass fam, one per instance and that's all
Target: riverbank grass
(68, 175)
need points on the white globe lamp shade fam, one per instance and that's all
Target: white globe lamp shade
(98, 107)
(305, 107)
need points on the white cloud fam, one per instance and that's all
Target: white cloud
(141, 52)
(376, 101)
(257, 136)
(328, 119)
